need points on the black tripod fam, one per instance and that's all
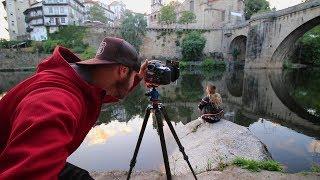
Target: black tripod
(159, 109)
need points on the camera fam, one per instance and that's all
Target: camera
(159, 74)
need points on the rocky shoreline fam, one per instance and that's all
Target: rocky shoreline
(230, 173)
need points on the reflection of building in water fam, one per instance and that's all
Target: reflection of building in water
(120, 114)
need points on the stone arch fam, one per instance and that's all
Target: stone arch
(234, 82)
(285, 48)
(238, 44)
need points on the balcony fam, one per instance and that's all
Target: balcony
(30, 18)
(29, 29)
(54, 3)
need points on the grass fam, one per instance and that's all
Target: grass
(209, 165)
(315, 168)
(256, 166)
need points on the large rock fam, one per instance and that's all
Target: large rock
(209, 145)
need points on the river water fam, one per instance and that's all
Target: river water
(281, 108)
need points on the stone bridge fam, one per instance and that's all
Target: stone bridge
(264, 41)
(269, 37)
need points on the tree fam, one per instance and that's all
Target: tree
(255, 6)
(187, 17)
(308, 48)
(168, 14)
(96, 13)
(193, 45)
(133, 29)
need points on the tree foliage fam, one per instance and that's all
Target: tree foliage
(96, 13)
(308, 48)
(168, 14)
(70, 37)
(187, 17)
(255, 6)
(193, 45)
(133, 29)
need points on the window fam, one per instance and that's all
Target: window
(62, 10)
(51, 20)
(50, 10)
(63, 20)
(191, 5)
(223, 15)
(56, 10)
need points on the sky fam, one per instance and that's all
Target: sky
(142, 6)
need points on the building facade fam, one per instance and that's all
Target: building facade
(119, 8)
(47, 16)
(16, 18)
(209, 13)
(108, 13)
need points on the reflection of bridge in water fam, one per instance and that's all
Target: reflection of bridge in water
(255, 94)
(264, 94)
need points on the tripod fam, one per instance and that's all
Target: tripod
(158, 109)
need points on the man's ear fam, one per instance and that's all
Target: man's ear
(123, 71)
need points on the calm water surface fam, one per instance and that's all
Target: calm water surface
(281, 108)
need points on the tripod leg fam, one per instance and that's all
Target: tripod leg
(181, 148)
(143, 128)
(163, 143)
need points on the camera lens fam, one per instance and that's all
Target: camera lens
(150, 67)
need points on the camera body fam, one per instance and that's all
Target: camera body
(159, 74)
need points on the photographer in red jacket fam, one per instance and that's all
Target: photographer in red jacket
(46, 117)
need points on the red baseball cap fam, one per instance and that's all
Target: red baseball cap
(115, 51)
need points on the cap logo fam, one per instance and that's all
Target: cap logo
(101, 48)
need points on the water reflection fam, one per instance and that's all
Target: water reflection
(281, 108)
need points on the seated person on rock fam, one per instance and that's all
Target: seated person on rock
(210, 105)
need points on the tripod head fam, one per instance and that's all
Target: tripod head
(153, 95)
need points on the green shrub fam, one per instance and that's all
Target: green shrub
(183, 65)
(49, 45)
(5, 44)
(193, 45)
(287, 64)
(88, 53)
(79, 49)
(256, 166)
(209, 64)
(37, 47)
(315, 168)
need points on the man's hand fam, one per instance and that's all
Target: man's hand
(143, 68)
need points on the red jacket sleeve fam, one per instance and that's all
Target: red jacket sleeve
(42, 128)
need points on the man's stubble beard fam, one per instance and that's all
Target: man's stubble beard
(123, 87)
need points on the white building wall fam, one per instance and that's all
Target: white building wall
(39, 33)
(16, 18)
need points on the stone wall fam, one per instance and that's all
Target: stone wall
(167, 43)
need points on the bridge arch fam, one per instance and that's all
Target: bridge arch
(238, 48)
(285, 48)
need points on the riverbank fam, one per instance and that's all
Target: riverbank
(19, 60)
(230, 173)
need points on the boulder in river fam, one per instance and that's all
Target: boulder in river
(211, 145)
